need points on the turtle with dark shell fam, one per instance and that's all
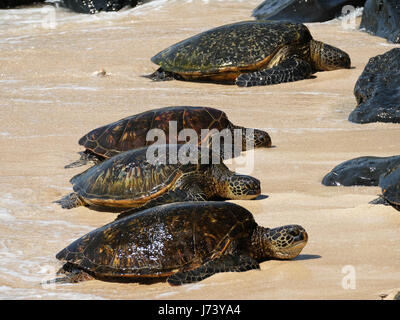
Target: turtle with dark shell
(249, 53)
(131, 132)
(158, 174)
(180, 242)
(390, 184)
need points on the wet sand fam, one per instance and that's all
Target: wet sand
(50, 98)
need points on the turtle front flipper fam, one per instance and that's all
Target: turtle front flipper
(226, 263)
(161, 75)
(292, 69)
(169, 197)
(86, 157)
(70, 201)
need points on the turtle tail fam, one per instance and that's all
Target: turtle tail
(70, 201)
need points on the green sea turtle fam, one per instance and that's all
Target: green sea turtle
(158, 174)
(390, 184)
(131, 132)
(249, 53)
(183, 242)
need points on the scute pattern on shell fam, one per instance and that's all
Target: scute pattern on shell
(130, 133)
(128, 175)
(237, 45)
(160, 240)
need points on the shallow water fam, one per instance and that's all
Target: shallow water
(50, 97)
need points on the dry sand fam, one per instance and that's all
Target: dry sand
(50, 98)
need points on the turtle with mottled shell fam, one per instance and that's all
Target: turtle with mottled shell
(158, 174)
(249, 53)
(131, 132)
(180, 242)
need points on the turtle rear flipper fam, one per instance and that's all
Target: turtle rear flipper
(169, 197)
(161, 75)
(86, 157)
(70, 201)
(380, 200)
(79, 163)
(71, 275)
(74, 277)
(289, 70)
(226, 263)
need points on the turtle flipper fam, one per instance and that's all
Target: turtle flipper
(161, 75)
(71, 275)
(169, 197)
(70, 201)
(86, 157)
(292, 69)
(226, 263)
(380, 200)
(79, 163)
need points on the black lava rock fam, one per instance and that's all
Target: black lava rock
(363, 171)
(382, 18)
(5, 4)
(390, 185)
(95, 6)
(303, 10)
(377, 90)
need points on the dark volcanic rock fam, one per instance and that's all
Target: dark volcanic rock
(377, 90)
(382, 18)
(95, 6)
(363, 171)
(390, 184)
(5, 4)
(303, 10)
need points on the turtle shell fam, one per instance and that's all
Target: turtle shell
(130, 179)
(130, 133)
(390, 184)
(238, 47)
(158, 241)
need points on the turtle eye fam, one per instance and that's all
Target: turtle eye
(294, 232)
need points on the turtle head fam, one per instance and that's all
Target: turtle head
(284, 242)
(326, 57)
(241, 187)
(254, 138)
(261, 139)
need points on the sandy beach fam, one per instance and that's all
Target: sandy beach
(50, 97)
